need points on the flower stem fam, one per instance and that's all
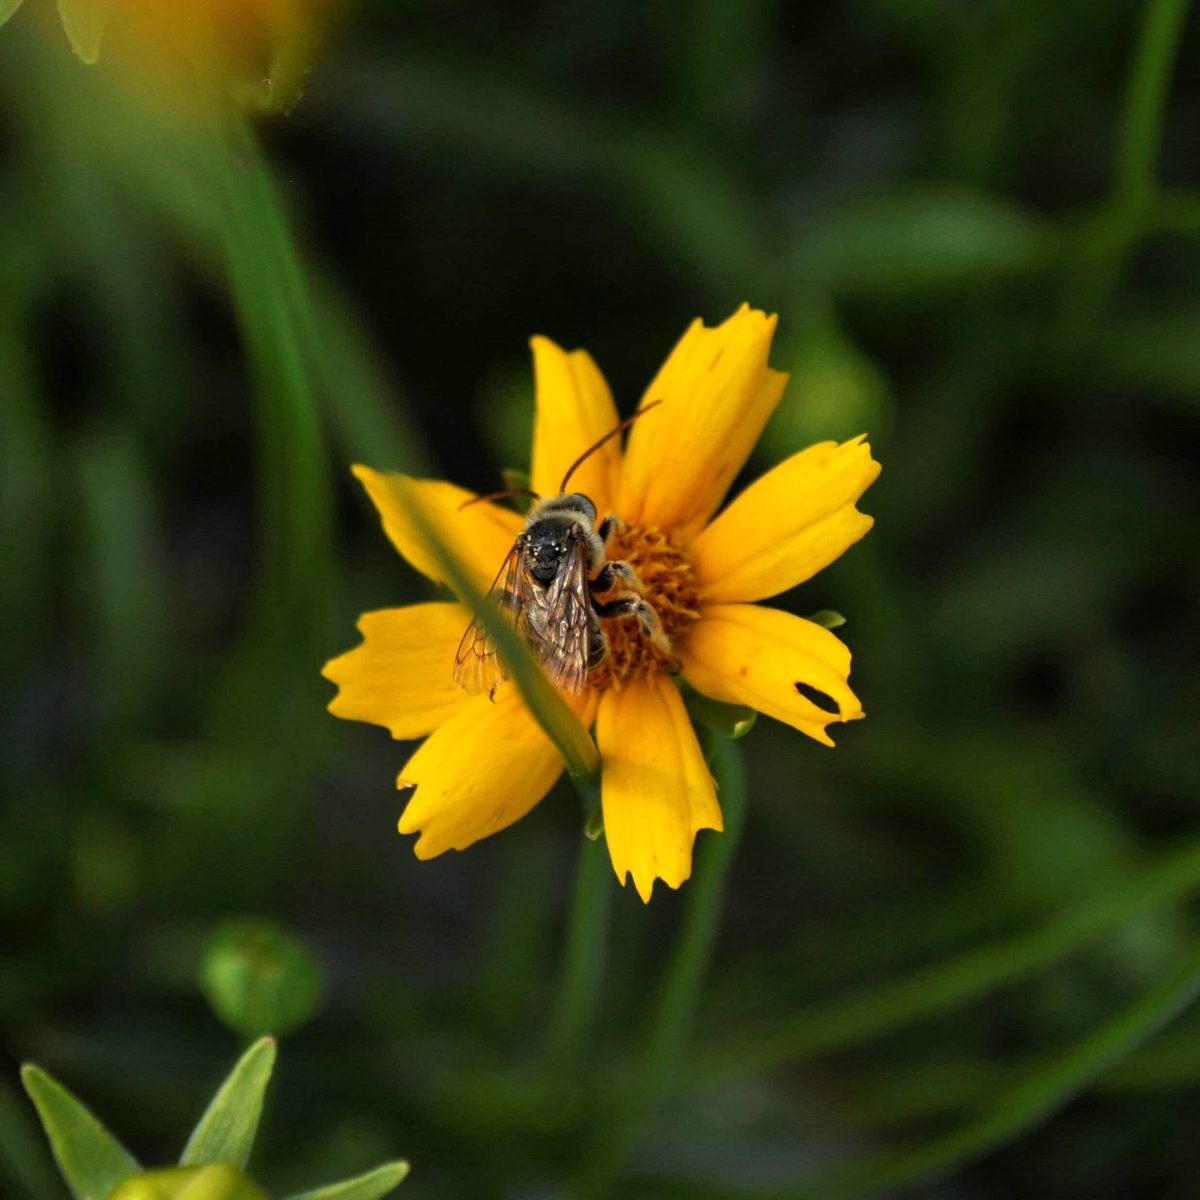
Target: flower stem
(1109, 237)
(1146, 101)
(655, 1069)
(580, 989)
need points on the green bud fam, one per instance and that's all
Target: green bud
(258, 978)
(218, 1181)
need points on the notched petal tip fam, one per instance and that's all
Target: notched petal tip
(478, 773)
(656, 788)
(718, 391)
(823, 700)
(779, 664)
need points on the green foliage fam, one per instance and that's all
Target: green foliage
(260, 979)
(225, 1134)
(916, 242)
(371, 1186)
(827, 618)
(983, 247)
(96, 1167)
(91, 1160)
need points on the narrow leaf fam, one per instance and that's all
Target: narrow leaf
(925, 992)
(91, 1160)
(370, 1186)
(1026, 1104)
(548, 708)
(85, 22)
(7, 8)
(226, 1132)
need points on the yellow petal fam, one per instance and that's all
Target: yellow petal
(479, 772)
(574, 411)
(655, 786)
(748, 654)
(787, 525)
(480, 536)
(402, 675)
(717, 393)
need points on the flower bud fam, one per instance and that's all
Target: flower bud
(258, 978)
(218, 1181)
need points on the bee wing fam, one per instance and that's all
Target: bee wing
(477, 667)
(558, 621)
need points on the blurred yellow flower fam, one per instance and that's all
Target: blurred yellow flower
(485, 763)
(256, 50)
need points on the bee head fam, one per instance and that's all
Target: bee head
(576, 504)
(547, 541)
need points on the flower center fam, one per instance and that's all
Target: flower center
(668, 586)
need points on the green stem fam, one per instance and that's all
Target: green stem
(581, 987)
(655, 1070)
(1146, 101)
(883, 1008)
(1107, 240)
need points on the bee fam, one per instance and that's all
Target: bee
(549, 587)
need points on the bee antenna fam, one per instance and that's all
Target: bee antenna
(612, 433)
(504, 495)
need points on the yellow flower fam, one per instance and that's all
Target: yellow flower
(485, 763)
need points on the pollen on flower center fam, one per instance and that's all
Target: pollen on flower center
(668, 585)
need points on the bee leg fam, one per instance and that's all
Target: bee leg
(611, 572)
(597, 642)
(610, 525)
(629, 605)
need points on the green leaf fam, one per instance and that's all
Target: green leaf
(226, 1132)
(828, 618)
(258, 978)
(370, 1186)
(921, 240)
(7, 8)
(85, 22)
(218, 1181)
(91, 1160)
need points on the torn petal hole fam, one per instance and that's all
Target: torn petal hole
(822, 700)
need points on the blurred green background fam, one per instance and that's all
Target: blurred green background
(941, 956)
